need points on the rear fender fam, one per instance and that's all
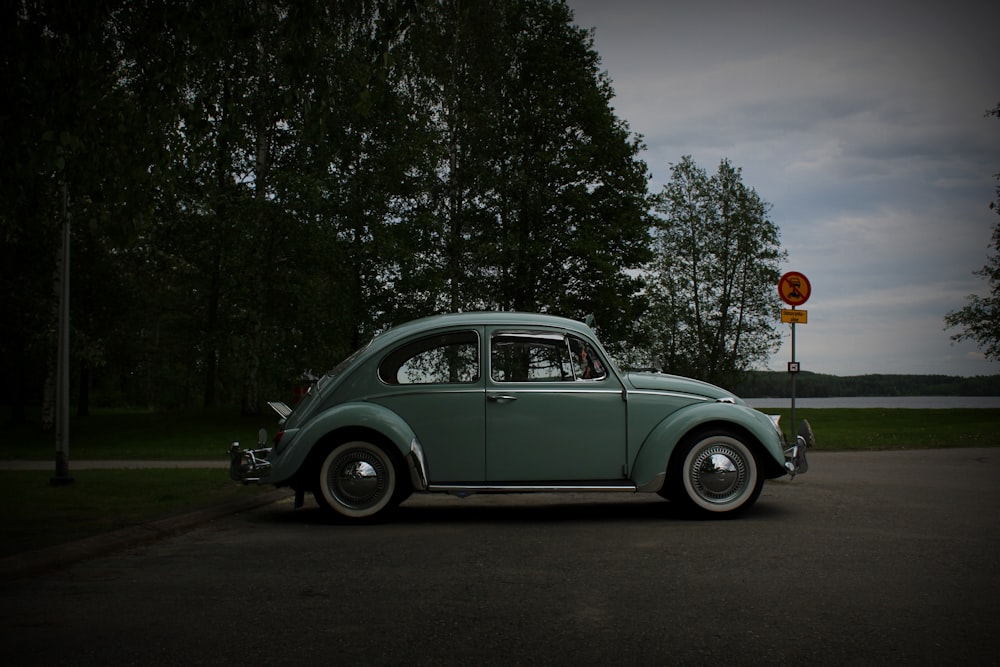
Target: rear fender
(297, 445)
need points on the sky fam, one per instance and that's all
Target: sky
(862, 123)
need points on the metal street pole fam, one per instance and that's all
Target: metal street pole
(794, 425)
(62, 475)
(794, 289)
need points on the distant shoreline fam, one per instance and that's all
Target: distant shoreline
(901, 402)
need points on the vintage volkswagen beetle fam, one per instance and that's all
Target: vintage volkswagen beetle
(513, 402)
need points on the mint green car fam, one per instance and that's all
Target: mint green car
(513, 402)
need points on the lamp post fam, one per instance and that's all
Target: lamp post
(62, 476)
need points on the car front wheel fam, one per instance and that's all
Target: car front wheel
(717, 474)
(357, 480)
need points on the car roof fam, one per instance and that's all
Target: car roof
(482, 318)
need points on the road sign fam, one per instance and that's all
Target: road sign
(794, 316)
(794, 288)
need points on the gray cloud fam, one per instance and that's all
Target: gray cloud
(861, 123)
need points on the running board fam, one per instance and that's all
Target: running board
(548, 487)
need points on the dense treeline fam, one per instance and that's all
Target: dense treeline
(256, 187)
(768, 384)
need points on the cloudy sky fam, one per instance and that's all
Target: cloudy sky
(862, 123)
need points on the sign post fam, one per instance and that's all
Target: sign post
(794, 289)
(62, 476)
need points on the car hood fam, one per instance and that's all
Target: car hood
(676, 383)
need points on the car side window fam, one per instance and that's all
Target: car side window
(522, 356)
(451, 358)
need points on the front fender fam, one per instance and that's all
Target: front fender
(655, 451)
(297, 444)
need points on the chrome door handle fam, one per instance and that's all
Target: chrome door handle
(500, 398)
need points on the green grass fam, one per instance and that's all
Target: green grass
(879, 428)
(37, 514)
(138, 434)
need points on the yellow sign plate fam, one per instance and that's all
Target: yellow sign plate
(794, 316)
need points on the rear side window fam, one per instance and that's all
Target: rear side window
(451, 358)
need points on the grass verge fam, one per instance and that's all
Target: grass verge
(195, 435)
(37, 514)
(880, 428)
(203, 435)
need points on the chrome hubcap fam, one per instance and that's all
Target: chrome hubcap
(719, 474)
(358, 478)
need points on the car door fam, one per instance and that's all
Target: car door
(553, 410)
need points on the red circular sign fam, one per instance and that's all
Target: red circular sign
(794, 288)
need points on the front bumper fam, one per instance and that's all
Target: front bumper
(248, 465)
(795, 456)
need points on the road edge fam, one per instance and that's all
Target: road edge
(62, 555)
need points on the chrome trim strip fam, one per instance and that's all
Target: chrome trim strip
(530, 334)
(424, 389)
(675, 394)
(497, 388)
(527, 488)
(573, 388)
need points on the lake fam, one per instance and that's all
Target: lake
(911, 402)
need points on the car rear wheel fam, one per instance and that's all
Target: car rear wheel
(716, 474)
(357, 480)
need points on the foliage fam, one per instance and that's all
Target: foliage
(979, 320)
(767, 384)
(73, 151)
(712, 301)
(256, 187)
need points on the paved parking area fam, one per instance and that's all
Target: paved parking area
(871, 558)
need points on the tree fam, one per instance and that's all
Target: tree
(712, 302)
(537, 199)
(258, 186)
(574, 216)
(980, 318)
(73, 137)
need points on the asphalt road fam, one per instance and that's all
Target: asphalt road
(870, 558)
